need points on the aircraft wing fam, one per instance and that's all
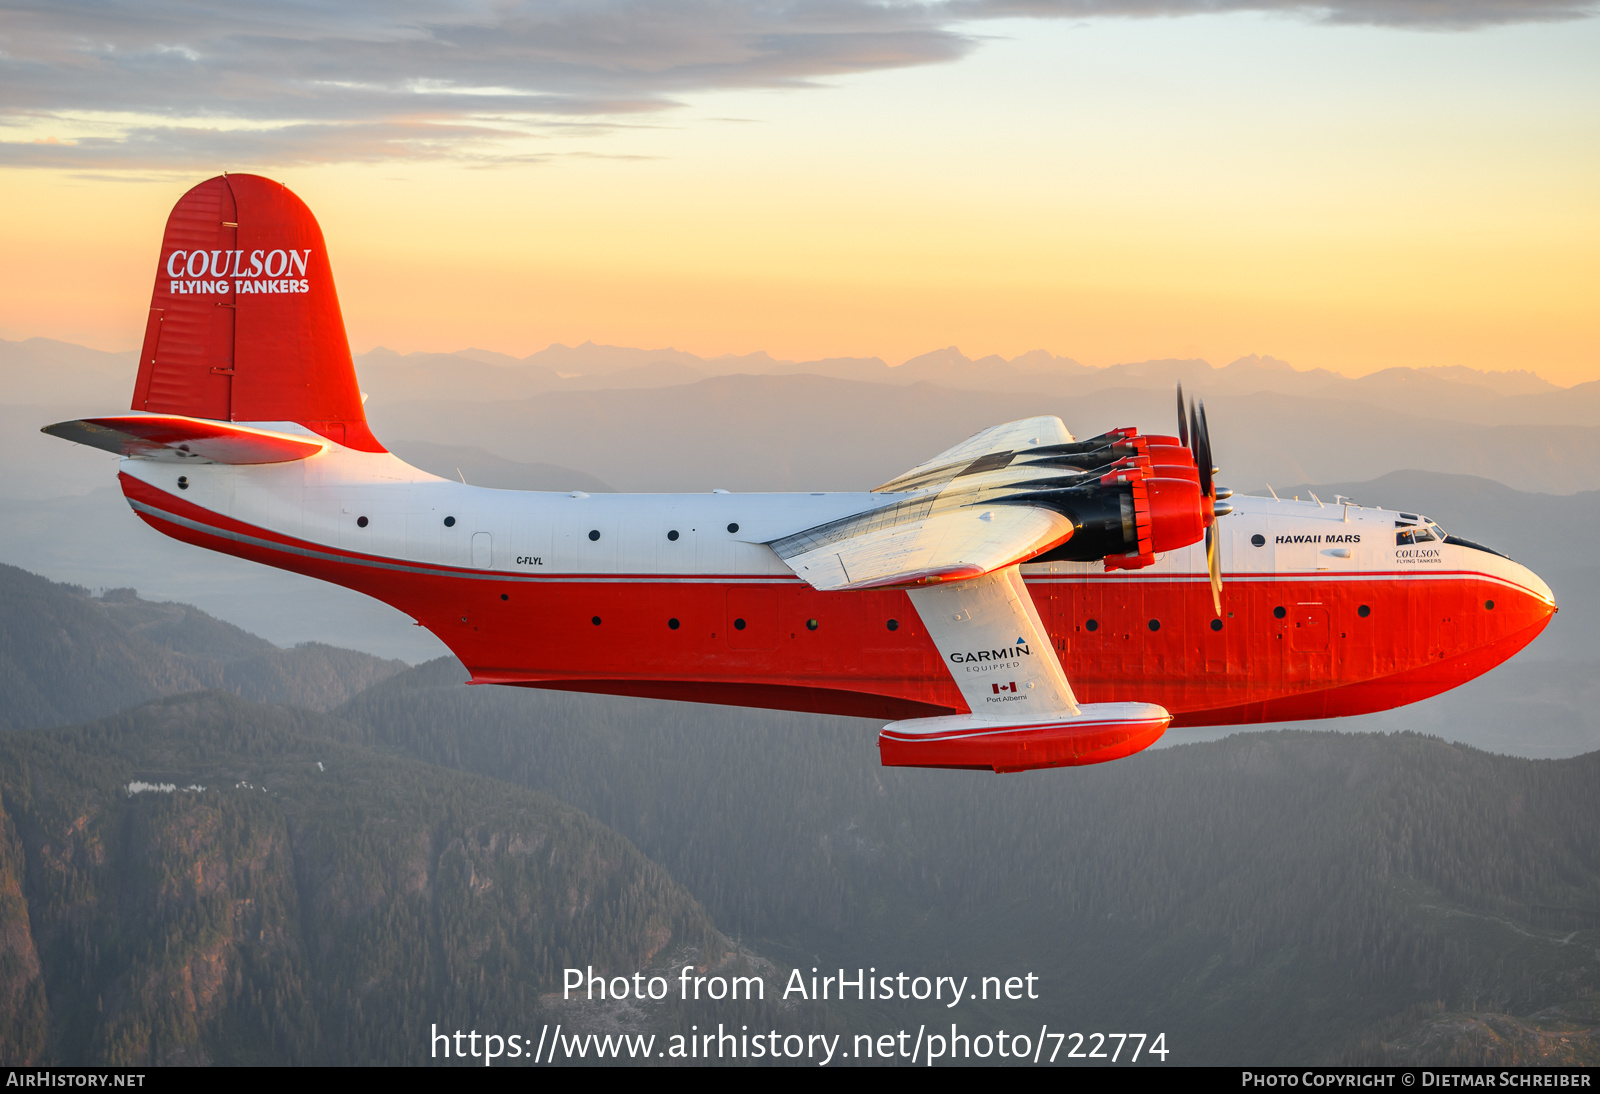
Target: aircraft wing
(964, 541)
(999, 439)
(963, 514)
(953, 537)
(1007, 495)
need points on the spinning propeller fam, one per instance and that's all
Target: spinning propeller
(1195, 434)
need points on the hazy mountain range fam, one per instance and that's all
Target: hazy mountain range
(667, 420)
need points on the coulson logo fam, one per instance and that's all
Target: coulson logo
(990, 655)
(1319, 539)
(212, 271)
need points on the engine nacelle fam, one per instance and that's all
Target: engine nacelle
(1134, 501)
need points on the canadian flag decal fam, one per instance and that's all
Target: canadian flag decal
(998, 688)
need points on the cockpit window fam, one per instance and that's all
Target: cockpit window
(1410, 530)
(1424, 530)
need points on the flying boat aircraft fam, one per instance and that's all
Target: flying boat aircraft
(1024, 599)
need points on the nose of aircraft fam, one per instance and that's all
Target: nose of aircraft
(1532, 605)
(1535, 586)
(1520, 605)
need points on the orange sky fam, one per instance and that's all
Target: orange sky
(1346, 198)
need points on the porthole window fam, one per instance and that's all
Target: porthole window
(893, 624)
(672, 536)
(1363, 611)
(594, 534)
(738, 624)
(672, 624)
(1216, 624)
(1258, 540)
(1279, 612)
(1091, 625)
(449, 522)
(1155, 624)
(361, 522)
(733, 528)
(183, 482)
(811, 624)
(505, 596)
(1488, 605)
(595, 620)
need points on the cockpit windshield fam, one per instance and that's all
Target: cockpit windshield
(1411, 530)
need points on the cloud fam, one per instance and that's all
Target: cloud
(1402, 14)
(176, 83)
(195, 147)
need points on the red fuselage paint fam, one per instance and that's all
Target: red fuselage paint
(1291, 645)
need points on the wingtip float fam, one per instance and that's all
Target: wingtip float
(1023, 600)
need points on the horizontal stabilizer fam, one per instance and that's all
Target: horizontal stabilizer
(1097, 733)
(176, 438)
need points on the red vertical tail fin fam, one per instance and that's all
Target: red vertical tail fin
(244, 321)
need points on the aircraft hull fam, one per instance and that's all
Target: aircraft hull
(1290, 646)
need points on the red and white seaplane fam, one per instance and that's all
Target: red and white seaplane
(958, 599)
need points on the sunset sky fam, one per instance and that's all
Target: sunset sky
(1350, 186)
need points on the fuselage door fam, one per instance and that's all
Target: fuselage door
(1309, 632)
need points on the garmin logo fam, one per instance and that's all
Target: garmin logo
(1021, 647)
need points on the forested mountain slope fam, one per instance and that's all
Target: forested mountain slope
(1280, 896)
(209, 880)
(67, 656)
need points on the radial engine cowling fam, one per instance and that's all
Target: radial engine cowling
(1128, 499)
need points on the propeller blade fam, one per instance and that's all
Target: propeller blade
(1214, 562)
(1183, 423)
(1202, 452)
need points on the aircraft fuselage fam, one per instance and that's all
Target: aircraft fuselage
(677, 596)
